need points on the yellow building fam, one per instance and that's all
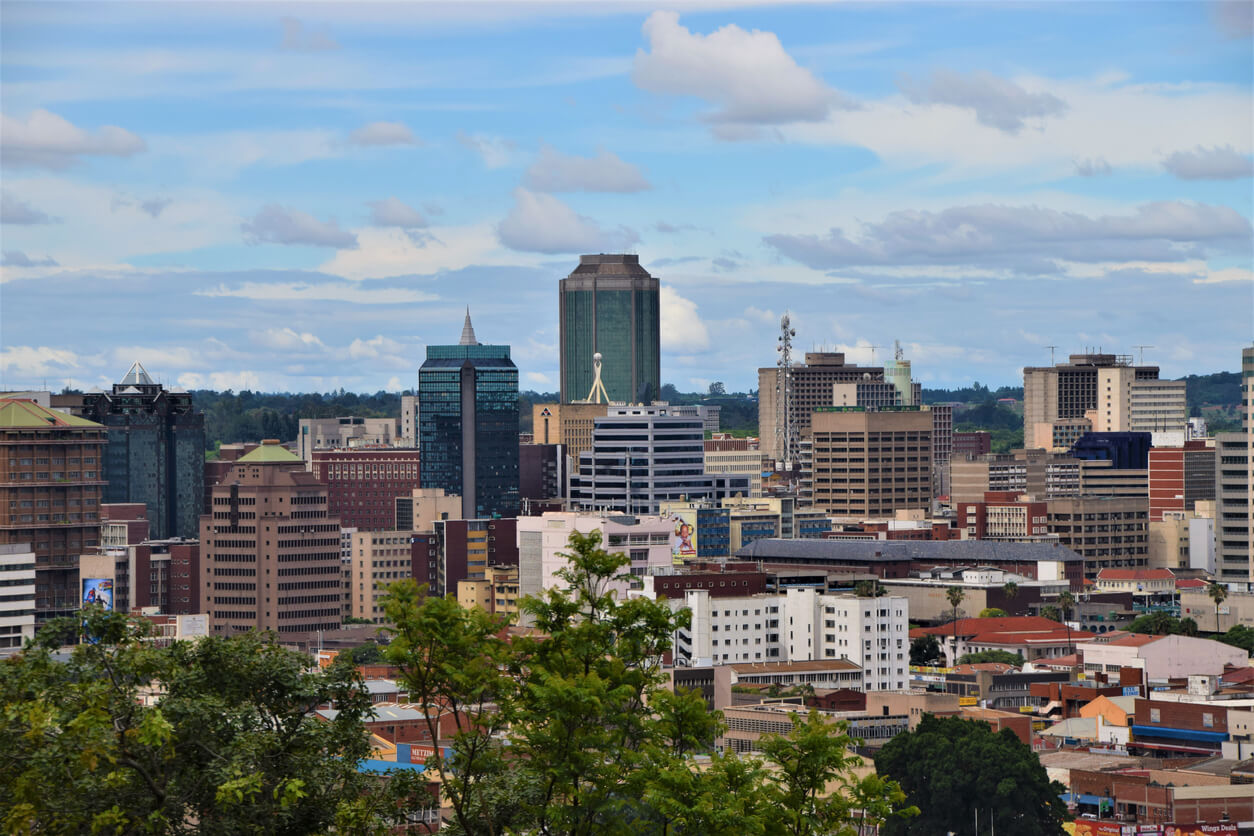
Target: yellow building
(496, 592)
(569, 424)
(378, 559)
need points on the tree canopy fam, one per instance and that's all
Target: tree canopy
(948, 767)
(1003, 656)
(926, 650)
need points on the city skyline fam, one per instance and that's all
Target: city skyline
(303, 198)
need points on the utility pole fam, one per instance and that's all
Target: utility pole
(1141, 353)
(1051, 353)
(873, 353)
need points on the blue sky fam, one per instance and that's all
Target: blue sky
(302, 196)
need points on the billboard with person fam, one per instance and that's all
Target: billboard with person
(683, 535)
(98, 591)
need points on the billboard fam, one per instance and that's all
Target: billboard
(683, 535)
(98, 591)
(1083, 827)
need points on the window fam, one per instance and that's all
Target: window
(1155, 715)
(1208, 720)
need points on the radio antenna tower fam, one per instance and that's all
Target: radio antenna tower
(785, 438)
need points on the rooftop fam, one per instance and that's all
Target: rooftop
(967, 551)
(1135, 575)
(795, 667)
(17, 413)
(137, 376)
(610, 264)
(270, 452)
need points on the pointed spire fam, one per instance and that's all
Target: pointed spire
(468, 331)
(137, 376)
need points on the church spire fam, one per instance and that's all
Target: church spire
(468, 331)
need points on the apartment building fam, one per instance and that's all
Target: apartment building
(496, 592)
(17, 605)
(871, 463)
(1234, 488)
(379, 558)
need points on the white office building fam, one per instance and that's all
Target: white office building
(799, 625)
(17, 596)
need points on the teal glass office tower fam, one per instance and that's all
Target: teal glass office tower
(468, 425)
(609, 306)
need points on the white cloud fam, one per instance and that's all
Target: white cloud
(392, 212)
(26, 365)
(495, 151)
(394, 384)
(275, 224)
(541, 223)
(47, 140)
(297, 38)
(327, 292)
(236, 381)
(538, 378)
(1226, 274)
(1094, 167)
(996, 102)
(286, 339)
(554, 171)
(397, 252)
(1210, 164)
(748, 76)
(374, 347)
(14, 211)
(682, 328)
(383, 133)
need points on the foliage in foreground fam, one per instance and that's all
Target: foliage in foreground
(230, 747)
(596, 742)
(949, 767)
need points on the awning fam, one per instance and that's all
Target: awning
(1179, 734)
(1167, 747)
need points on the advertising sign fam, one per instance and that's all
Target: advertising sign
(98, 591)
(1132, 690)
(1083, 827)
(1219, 829)
(683, 535)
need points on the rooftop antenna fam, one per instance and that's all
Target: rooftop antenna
(784, 441)
(1051, 353)
(898, 354)
(1141, 353)
(873, 352)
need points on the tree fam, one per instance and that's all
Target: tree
(717, 389)
(955, 595)
(993, 612)
(1065, 602)
(1156, 623)
(365, 654)
(1011, 590)
(869, 589)
(926, 651)
(1218, 593)
(950, 767)
(1003, 656)
(227, 741)
(1051, 612)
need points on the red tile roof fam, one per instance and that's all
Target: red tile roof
(1135, 575)
(975, 626)
(1134, 640)
(1190, 583)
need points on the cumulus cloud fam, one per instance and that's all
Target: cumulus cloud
(541, 223)
(155, 206)
(495, 151)
(17, 258)
(298, 38)
(383, 133)
(539, 378)
(374, 347)
(27, 364)
(275, 224)
(14, 211)
(554, 171)
(748, 76)
(393, 212)
(1093, 167)
(286, 339)
(46, 140)
(1210, 164)
(1025, 238)
(681, 325)
(996, 102)
(321, 292)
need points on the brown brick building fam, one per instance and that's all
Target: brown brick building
(363, 484)
(871, 463)
(50, 490)
(270, 551)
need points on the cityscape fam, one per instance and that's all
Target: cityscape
(549, 524)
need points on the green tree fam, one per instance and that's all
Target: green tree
(365, 654)
(926, 650)
(950, 767)
(869, 589)
(1218, 593)
(225, 743)
(1239, 636)
(1011, 590)
(1051, 612)
(1003, 656)
(1066, 601)
(1156, 623)
(954, 595)
(993, 612)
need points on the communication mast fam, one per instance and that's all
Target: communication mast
(785, 436)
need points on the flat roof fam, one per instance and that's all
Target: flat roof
(798, 667)
(878, 551)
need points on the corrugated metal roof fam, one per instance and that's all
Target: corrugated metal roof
(969, 551)
(16, 413)
(270, 452)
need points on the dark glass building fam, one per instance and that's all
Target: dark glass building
(468, 425)
(609, 305)
(155, 452)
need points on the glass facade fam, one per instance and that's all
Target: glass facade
(468, 413)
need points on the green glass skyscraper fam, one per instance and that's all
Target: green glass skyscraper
(468, 425)
(609, 306)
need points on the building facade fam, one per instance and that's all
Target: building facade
(378, 558)
(468, 424)
(155, 452)
(871, 463)
(1179, 477)
(567, 424)
(1234, 488)
(609, 305)
(17, 604)
(51, 485)
(270, 550)
(345, 432)
(363, 484)
(1096, 387)
(1107, 531)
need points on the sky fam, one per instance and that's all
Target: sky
(301, 197)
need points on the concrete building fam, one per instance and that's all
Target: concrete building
(1004, 515)
(423, 506)
(1162, 657)
(1157, 406)
(1040, 474)
(964, 444)
(1234, 488)
(1096, 387)
(642, 456)
(542, 473)
(17, 605)
(868, 464)
(1033, 637)
(567, 424)
(496, 592)
(799, 625)
(812, 388)
(468, 424)
(270, 551)
(50, 492)
(1184, 540)
(747, 463)
(147, 573)
(709, 414)
(608, 305)
(344, 433)
(364, 483)
(378, 558)
(1107, 531)
(155, 452)
(409, 421)
(465, 549)
(1179, 477)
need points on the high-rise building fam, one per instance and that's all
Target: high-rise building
(609, 305)
(363, 484)
(1234, 488)
(379, 558)
(468, 424)
(1179, 477)
(409, 421)
(17, 605)
(811, 387)
(270, 552)
(155, 452)
(1098, 388)
(1107, 531)
(50, 490)
(871, 463)
(642, 456)
(567, 424)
